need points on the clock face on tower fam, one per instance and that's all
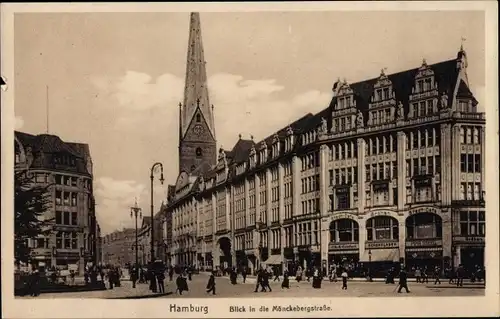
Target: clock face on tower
(198, 129)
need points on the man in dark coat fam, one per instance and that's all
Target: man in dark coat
(244, 274)
(265, 282)
(403, 281)
(171, 273)
(133, 276)
(211, 284)
(161, 281)
(260, 274)
(460, 275)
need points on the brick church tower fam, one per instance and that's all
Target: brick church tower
(197, 143)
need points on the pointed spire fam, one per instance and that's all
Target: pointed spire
(195, 89)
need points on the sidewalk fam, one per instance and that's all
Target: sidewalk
(252, 279)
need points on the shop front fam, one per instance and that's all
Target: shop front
(343, 255)
(470, 251)
(424, 245)
(343, 249)
(424, 254)
(382, 245)
(304, 256)
(241, 258)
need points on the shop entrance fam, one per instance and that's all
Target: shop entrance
(472, 257)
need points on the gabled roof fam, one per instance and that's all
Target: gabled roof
(445, 73)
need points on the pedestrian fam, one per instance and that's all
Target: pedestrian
(211, 284)
(403, 281)
(286, 280)
(425, 275)
(260, 274)
(111, 278)
(86, 276)
(344, 276)
(308, 273)
(171, 273)
(265, 282)
(460, 275)
(244, 274)
(161, 281)
(298, 274)
(180, 283)
(35, 283)
(451, 275)
(317, 278)
(333, 274)
(276, 274)
(133, 276)
(72, 277)
(418, 274)
(437, 273)
(189, 273)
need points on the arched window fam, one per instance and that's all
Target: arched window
(198, 118)
(425, 225)
(382, 228)
(343, 230)
(199, 152)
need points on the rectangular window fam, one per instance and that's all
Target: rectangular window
(430, 137)
(349, 150)
(415, 166)
(74, 218)
(342, 151)
(430, 165)
(463, 163)
(66, 218)
(59, 217)
(422, 138)
(414, 138)
(381, 145)
(394, 169)
(59, 240)
(367, 172)
(477, 163)
(374, 146)
(408, 168)
(470, 163)
(58, 197)
(438, 164)
(430, 107)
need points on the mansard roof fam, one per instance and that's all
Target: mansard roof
(51, 144)
(445, 73)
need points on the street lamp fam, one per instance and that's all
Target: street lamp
(151, 176)
(370, 265)
(136, 212)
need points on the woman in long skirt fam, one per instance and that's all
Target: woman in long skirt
(286, 281)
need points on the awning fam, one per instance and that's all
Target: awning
(273, 260)
(388, 254)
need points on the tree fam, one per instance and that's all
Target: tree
(30, 204)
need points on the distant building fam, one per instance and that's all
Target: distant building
(392, 170)
(118, 248)
(67, 169)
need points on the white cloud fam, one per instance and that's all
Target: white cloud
(246, 106)
(18, 122)
(114, 199)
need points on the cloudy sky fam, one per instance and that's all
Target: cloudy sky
(115, 79)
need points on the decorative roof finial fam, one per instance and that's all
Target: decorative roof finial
(251, 137)
(424, 62)
(198, 102)
(239, 135)
(382, 72)
(180, 104)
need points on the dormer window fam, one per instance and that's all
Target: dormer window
(276, 145)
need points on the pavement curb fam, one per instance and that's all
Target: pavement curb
(142, 296)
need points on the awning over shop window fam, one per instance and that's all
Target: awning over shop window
(388, 254)
(273, 260)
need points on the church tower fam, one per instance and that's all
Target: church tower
(197, 143)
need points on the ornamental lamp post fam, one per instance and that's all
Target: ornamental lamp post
(151, 176)
(136, 212)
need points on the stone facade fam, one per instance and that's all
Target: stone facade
(392, 171)
(66, 168)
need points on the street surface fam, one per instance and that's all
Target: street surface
(224, 289)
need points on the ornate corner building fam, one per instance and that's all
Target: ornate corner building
(391, 171)
(66, 169)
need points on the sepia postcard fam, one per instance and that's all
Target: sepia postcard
(250, 159)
